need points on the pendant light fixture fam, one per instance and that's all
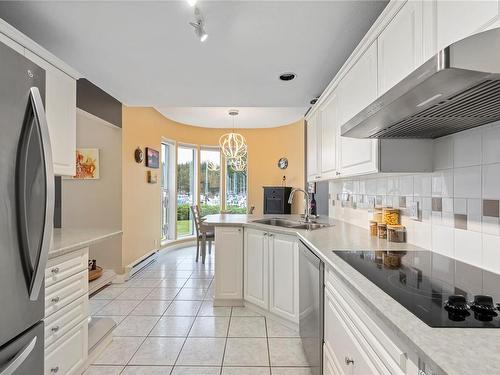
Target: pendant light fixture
(233, 145)
(239, 164)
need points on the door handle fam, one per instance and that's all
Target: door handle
(36, 122)
(18, 359)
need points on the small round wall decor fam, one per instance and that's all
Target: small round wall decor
(283, 163)
(139, 155)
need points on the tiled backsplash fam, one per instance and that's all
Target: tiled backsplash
(458, 202)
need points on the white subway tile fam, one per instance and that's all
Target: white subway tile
(491, 225)
(442, 183)
(443, 240)
(467, 149)
(468, 246)
(491, 181)
(467, 182)
(460, 206)
(443, 153)
(422, 185)
(406, 185)
(491, 143)
(393, 186)
(448, 219)
(382, 186)
(474, 207)
(491, 253)
(447, 205)
(371, 186)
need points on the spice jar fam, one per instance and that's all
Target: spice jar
(382, 230)
(373, 228)
(396, 233)
(390, 216)
(392, 260)
(377, 215)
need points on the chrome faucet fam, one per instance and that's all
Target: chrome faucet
(307, 209)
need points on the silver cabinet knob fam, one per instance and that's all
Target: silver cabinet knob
(271, 235)
(55, 299)
(55, 270)
(54, 370)
(349, 361)
(55, 329)
(265, 233)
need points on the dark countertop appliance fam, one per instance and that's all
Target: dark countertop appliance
(440, 291)
(276, 200)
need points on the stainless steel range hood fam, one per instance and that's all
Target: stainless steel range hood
(455, 90)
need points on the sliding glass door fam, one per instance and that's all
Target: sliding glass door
(186, 185)
(210, 176)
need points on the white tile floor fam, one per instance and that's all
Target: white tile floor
(167, 325)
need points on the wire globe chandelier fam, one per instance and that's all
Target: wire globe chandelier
(238, 164)
(233, 145)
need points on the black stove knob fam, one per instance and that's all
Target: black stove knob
(457, 308)
(484, 308)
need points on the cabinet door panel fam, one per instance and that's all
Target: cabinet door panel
(400, 46)
(60, 107)
(229, 264)
(357, 90)
(284, 276)
(312, 147)
(458, 19)
(329, 124)
(256, 268)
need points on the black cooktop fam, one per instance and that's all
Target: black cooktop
(441, 291)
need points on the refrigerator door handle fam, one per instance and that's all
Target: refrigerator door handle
(36, 270)
(10, 367)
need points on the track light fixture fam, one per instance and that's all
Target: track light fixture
(199, 25)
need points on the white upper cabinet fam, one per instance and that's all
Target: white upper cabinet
(328, 136)
(313, 151)
(458, 19)
(356, 91)
(60, 107)
(400, 46)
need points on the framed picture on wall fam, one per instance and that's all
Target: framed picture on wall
(152, 158)
(87, 164)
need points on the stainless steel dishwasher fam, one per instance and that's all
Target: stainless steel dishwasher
(311, 302)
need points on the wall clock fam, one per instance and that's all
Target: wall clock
(283, 163)
(138, 155)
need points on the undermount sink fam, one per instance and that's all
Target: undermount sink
(277, 222)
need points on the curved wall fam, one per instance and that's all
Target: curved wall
(145, 127)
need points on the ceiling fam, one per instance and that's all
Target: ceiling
(146, 54)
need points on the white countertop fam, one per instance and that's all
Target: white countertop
(66, 240)
(453, 350)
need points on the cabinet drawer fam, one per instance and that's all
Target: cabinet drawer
(61, 322)
(66, 265)
(342, 344)
(60, 294)
(67, 356)
(377, 345)
(330, 367)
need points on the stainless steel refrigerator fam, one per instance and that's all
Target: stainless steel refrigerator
(26, 213)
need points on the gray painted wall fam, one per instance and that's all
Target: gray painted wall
(97, 203)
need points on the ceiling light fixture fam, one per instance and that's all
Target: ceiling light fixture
(239, 164)
(288, 76)
(192, 3)
(233, 145)
(199, 25)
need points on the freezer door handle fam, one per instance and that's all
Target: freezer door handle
(10, 367)
(35, 128)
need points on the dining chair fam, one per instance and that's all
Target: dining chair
(204, 233)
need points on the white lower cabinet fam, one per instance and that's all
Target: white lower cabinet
(228, 264)
(284, 276)
(66, 313)
(256, 266)
(271, 272)
(355, 342)
(68, 355)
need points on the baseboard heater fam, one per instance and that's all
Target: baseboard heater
(142, 262)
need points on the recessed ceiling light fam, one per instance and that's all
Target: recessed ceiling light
(287, 76)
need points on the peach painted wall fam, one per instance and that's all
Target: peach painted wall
(145, 127)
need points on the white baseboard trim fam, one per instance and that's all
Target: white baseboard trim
(178, 245)
(272, 316)
(139, 264)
